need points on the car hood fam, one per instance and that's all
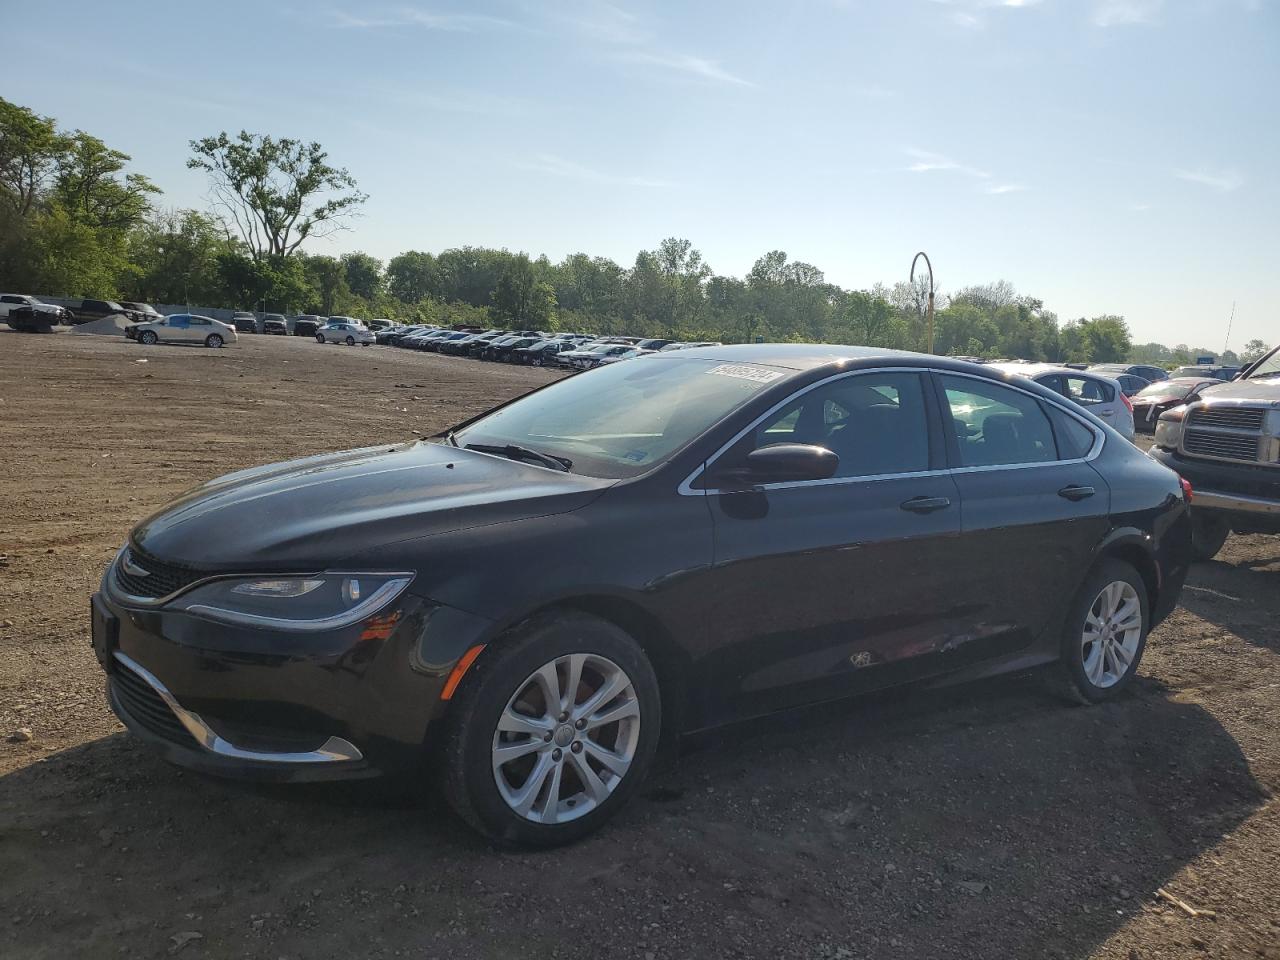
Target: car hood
(1266, 389)
(308, 514)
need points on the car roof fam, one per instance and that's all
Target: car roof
(1039, 369)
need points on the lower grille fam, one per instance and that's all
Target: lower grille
(1229, 445)
(146, 708)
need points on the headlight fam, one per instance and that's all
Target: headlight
(1169, 430)
(327, 601)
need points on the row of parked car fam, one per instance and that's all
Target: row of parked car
(573, 351)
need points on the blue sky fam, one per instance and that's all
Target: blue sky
(1104, 155)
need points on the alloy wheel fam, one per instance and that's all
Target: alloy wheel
(1111, 635)
(566, 738)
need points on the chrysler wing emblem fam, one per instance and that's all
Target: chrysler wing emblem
(132, 569)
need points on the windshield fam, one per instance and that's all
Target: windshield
(1269, 367)
(1167, 390)
(623, 419)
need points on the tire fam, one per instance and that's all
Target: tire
(503, 683)
(319, 338)
(148, 337)
(1208, 533)
(351, 341)
(213, 340)
(1090, 670)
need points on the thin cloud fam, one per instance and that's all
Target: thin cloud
(1117, 13)
(560, 167)
(684, 63)
(873, 91)
(1139, 207)
(925, 161)
(413, 17)
(995, 189)
(970, 13)
(1223, 181)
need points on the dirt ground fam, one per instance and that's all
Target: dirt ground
(986, 821)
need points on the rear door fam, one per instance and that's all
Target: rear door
(1033, 506)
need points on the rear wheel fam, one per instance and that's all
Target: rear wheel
(148, 337)
(1208, 533)
(1105, 633)
(554, 729)
(213, 340)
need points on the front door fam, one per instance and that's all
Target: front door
(821, 589)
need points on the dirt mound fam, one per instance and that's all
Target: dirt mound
(112, 326)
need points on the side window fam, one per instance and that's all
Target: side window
(1075, 440)
(1087, 391)
(181, 320)
(875, 423)
(996, 425)
(199, 322)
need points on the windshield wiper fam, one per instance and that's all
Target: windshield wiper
(513, 452)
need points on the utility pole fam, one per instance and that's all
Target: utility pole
(929, 311)
(1230, 321)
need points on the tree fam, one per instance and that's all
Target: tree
(522, 298)
(30, 146)
(413, 276)
(276, 193)
(87, 185)
(273, 283)
(1253, 350)
(1106, 338)
(176, 255)
(329, 282)
(363, 274)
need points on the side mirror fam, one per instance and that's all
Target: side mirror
(783, 463)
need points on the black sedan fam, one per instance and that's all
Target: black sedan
(536, 597)
(1154, 400)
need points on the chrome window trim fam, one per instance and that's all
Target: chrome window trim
(686, 489)
(333, 750)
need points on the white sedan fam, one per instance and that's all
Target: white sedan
(185, 328)
(345, 331)
(1101, 396)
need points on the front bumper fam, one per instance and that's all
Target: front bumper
(256, 704)
(1248, 496)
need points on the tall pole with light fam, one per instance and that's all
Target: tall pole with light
(929, 312)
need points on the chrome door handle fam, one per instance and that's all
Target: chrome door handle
(925, 504)
(1076, 492)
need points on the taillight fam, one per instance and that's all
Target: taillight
(1186, 488)
(1127, 402)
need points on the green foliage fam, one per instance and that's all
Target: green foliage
(363, 274)
(1253, 350)
(275, 193)
(176, 258)
(522, 298)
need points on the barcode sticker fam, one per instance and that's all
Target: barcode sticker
(744, 371)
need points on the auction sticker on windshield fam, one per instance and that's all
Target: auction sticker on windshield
(743, 371)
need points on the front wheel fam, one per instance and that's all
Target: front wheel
(213, 340)
(148, 337)
(351, 341)
(1208, 533)
(553, 730)
(319, 338)
(1105, 633)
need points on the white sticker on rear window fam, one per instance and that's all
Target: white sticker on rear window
(743, 371)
